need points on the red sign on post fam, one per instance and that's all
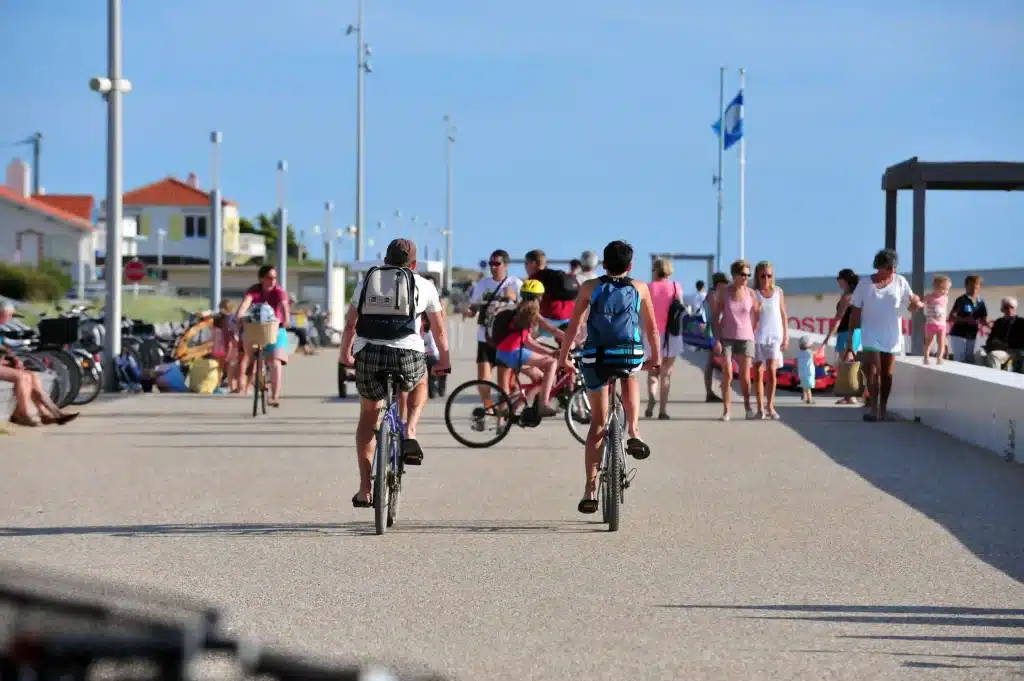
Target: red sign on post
(134, 271)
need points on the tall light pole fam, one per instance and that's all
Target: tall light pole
(450, 131)
(112, 87)
(216, 222)
(363, 51)
(282, 230)
(328, 259)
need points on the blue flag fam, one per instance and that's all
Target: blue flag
(733, 121)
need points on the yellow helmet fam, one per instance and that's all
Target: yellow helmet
(531, 288)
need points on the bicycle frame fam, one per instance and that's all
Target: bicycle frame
(388, 474)
(565, 384)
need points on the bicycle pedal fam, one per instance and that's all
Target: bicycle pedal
(628, 478)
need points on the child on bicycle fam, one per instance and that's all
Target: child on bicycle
(619, 315)
(516, 348)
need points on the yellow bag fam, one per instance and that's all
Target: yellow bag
(848, 380)
(203, 376)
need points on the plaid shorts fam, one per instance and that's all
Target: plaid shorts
(373, 359)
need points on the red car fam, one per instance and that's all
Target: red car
(787, 376)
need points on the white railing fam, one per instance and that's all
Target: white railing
(975, 404)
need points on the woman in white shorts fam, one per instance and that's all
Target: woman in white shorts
(771, 337)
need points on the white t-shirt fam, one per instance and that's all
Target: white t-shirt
(586, 276)
(695, 301)
(427, 300)
(881, 316)
(482, 292)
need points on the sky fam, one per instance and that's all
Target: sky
(579, 121)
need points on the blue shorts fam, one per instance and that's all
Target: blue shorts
(514, 359)
(597, 375)
(843, 336)
(560, 324)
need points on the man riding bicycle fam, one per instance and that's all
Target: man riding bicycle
(382, 334)
(268, 291)
(620, 315)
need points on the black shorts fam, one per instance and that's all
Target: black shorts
(485, 354)
(373, 359)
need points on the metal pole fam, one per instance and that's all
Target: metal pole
(743, 171)
(216, 224)
(721, 147)
(448, 231)
(37, 143)
(282, 230)
(112, 315)
(360, 77)
(328, 260)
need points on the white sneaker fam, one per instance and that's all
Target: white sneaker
(723, 417)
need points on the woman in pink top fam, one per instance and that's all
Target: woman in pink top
(663, 292)
(268, 291)
(736, 310)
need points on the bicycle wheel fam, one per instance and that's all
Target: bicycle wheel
(613, 454)
(74, 372)
(480, 419)
(92, 379)
(61, 376)
(33, 362)
(395, 480)
(380, 480)
(265, 382)
(257, 380)
(578, 414)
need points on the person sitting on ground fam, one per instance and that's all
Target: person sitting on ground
(623, 315)
(517, 350)
(382, 335)
(300, 330)
(1005, 344)
(28, 389)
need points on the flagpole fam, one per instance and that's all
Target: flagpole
(721, 146)
(743, 169)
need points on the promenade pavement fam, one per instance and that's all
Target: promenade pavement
(818, 547)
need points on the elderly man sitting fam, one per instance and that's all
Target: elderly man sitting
(27, 388)
(1005, 344)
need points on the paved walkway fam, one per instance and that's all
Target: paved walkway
(816, 547)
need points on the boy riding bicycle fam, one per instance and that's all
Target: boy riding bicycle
(382, 335)
(620, 315)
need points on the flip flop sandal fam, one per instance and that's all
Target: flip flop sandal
(587, 506)
(59, 420)
(361, 503)
(412, 453)
(25, 421)
(637, 448)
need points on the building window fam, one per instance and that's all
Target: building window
(195, 227)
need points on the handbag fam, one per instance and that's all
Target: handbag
(848, 379)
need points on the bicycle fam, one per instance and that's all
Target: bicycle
(507, 408)
(613, 480)
(388, 463)
(257, 336)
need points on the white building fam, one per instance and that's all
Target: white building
(173, 221)
(55, 227)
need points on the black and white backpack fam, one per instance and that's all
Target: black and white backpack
(387, 304)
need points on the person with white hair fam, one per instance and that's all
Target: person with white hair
(1005, 344)
(28, 390)
(588, 267)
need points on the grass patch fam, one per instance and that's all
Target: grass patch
(148, 308)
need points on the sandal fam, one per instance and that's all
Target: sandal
(25, 421)
(58, 420)
(637, 448)
(358, 502)
(651, 404)
(587, 506)
(412, 453)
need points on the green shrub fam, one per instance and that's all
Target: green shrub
(22, 282)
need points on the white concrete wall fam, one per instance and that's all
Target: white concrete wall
(176, 243)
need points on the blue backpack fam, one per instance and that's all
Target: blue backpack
(614, 320)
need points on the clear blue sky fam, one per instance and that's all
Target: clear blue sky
(580, 120)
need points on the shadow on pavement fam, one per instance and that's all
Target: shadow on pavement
(975, 495)
(348, 528)
(905, 615)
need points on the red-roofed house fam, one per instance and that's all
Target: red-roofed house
(44, 227)
(174, 217)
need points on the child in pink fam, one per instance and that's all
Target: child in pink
(935, 317)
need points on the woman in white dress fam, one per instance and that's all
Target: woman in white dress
(771, 338)
(878, 305)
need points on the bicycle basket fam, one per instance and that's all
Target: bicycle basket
(58, 330)
(261, 333)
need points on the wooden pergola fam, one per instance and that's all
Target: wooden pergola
(920, 176)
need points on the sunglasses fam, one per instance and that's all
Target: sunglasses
(744, 274)
(766, 275)
(496, 263)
